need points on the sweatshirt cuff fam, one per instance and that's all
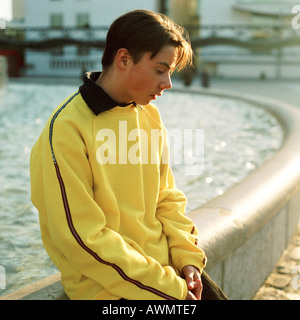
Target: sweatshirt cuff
(196, 262)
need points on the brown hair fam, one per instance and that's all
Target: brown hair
(141, 31)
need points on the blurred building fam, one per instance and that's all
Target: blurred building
(268, 16)
(59, 15)
(259, 21)
(17, 8)
(13, 17)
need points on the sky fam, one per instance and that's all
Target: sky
(5, 9)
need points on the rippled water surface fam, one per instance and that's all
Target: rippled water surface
(238, 138)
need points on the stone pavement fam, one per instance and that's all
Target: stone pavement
(284, 282)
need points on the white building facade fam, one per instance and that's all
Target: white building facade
(60, 15)
(232, 61)
(219, 60)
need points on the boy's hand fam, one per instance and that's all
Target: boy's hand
(193, 279)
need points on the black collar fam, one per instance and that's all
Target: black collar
(95, 97)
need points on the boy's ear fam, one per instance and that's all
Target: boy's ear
(122, 58)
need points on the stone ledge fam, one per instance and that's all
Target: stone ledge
(245, 230)
(49, 288)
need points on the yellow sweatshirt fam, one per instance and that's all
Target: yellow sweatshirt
(111, 218)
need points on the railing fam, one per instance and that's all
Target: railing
(246, 36)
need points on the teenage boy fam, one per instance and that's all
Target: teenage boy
(111, 217)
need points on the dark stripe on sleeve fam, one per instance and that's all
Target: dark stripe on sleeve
(70, 222)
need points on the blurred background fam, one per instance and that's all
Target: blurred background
(231, 38)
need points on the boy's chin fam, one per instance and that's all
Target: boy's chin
(144, 101)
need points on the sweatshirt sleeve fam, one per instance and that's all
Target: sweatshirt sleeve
(74, 225)
(181, 232)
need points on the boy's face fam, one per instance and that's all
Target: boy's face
(148, 78)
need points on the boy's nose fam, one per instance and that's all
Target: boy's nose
(167, 83)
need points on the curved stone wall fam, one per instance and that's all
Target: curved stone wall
(245, 231)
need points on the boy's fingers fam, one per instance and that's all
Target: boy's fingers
(198, 289)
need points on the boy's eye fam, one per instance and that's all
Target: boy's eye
(159, 71)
